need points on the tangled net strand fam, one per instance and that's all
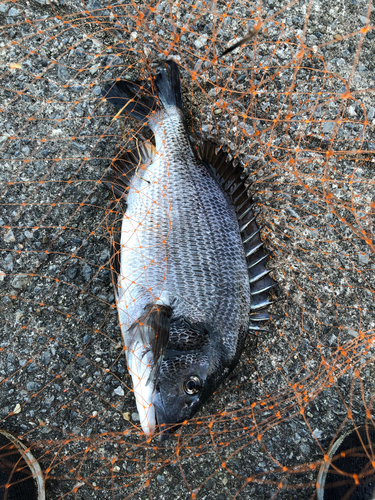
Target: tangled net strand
(294, 106)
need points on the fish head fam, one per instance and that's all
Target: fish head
(184, 384)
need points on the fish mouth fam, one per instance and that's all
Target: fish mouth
(166, 429)
(150, 406)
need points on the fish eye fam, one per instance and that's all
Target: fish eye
(193, 385)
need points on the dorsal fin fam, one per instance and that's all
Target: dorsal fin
(126, 166)
(232, 182)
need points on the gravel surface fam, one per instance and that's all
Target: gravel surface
(64, 383)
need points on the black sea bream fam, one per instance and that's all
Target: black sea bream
(191, 276)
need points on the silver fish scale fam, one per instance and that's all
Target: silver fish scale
(185, 250)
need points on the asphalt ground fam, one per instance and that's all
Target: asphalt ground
(64, 384)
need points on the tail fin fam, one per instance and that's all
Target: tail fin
(134, 98)
(169, 86)
(137, 100)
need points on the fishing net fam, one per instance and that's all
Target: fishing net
(294, 106)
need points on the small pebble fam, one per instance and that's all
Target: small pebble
(46, 357)
(363, 258)
(318, 433)
(8, 263)
(338, 37)
(305, 449)
(62, 73)
(93, 4)
(87, 272)
(18, 315)
(94, 69)
(135, 417)
(328, 126)
(119, 391)
(82, 361)
(32, 386)
(17, 408)
(13, 12)
(200, 42)
(297, 438)
(11, 358)
(353, 333)
(72, 273)
(66, 354)
(20, 281)
(9, 237)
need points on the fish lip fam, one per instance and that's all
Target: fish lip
(166, 429)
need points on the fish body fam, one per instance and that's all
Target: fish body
(184, 293)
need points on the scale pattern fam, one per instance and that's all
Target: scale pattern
(180, 242)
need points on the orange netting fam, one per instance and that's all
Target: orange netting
(295, 107)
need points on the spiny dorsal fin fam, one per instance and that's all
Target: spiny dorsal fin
(234, 184)
(126, 166)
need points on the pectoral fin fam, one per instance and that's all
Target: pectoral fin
(153, 330)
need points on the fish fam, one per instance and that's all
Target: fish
(189, 269)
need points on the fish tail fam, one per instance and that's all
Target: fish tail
(135, 99)
(138, 100)
(168, 85)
